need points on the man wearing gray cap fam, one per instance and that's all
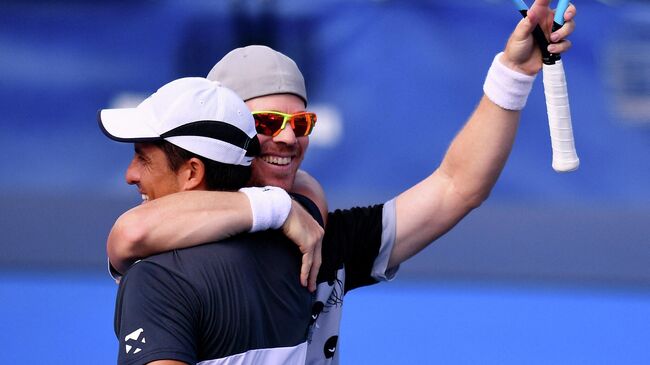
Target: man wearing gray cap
(361, 245)
(233, 301)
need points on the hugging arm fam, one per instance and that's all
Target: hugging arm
(191, 218)
(176, 221)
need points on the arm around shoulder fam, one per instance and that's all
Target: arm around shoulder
(176, 221)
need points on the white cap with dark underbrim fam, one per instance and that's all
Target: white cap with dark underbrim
(193, 113)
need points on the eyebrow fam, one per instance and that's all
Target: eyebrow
(140, 152)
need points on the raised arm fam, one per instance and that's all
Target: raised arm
(477, 154)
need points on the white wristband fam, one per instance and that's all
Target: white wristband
(507, 88)
(270, 205)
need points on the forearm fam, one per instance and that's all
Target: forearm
(176, 221)
(463, 181)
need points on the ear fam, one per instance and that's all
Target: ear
(192, 175)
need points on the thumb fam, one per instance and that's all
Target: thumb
(523, 29)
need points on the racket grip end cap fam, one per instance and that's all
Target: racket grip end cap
(566, 166)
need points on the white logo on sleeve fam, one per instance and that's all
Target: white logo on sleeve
(134, 340)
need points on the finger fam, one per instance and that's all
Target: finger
(542, 3)
(560, 47)
(570, 13)
(563, 32)
(313, 273)
(538, 11)
(569, 24)
(523, 30)
(304, 268)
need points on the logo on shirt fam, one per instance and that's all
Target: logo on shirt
(134, 340)
(330, 347)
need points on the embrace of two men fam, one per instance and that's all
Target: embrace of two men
(217, 271)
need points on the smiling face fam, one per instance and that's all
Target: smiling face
(150, 172)
(280, 156)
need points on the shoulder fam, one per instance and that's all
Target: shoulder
(307, 186)
(239, 250)
(154, 271)
(354, 218)
(310, 207)
(149, 284)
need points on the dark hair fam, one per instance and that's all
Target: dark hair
(218, 176)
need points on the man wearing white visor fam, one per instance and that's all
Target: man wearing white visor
(238, 301)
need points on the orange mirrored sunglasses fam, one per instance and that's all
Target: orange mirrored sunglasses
(270, 123)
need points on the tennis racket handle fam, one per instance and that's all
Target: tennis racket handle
(565, 158)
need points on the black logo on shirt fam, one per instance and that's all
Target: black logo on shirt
(330, 347)
(315, 311)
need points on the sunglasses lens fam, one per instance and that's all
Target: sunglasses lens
(268, 124)
(303, 123)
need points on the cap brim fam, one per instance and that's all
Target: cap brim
(126, 125)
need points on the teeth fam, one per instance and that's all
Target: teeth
(275, 160)
(145, 197)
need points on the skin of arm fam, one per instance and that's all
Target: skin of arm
(477, 154)
(306, 185)
(166, 362)
(175, 221)
(189, 218)
(303, 230)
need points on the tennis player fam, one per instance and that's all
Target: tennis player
(237, 301)
(361, 245)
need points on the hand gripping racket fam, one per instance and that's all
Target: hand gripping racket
(565, 158)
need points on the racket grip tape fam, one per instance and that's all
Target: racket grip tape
(565, 158)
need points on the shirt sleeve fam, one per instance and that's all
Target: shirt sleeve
(359, 240)
(380, 270)
(112, 271)
(155, 316)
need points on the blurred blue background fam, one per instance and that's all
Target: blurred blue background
(552, 269)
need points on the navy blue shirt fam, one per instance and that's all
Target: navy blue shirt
(240, 299)
(213, 301)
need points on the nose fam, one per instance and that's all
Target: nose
(132, 174)
(286, 136)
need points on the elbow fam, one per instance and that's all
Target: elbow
(125, 241)
(474, 200)
(471, 199)
(467, 192)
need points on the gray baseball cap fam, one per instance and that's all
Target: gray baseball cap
(255, 71)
